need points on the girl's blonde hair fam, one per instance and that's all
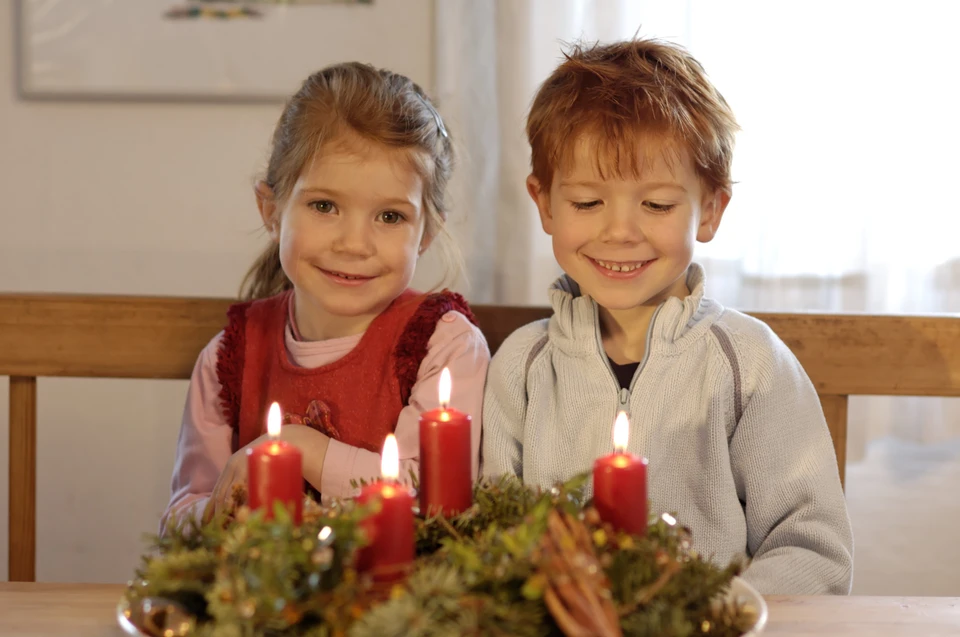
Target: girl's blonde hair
(378, 105)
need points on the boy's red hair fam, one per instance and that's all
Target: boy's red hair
(618, 96)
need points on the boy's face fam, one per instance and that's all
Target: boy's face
(627, 240)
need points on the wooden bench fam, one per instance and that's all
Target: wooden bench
(146, 337)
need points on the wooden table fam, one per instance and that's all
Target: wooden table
(89, 610)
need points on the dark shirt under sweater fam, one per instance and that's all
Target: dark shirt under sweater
(624, 373)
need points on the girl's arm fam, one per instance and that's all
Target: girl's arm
(456, 344)
(203, 447)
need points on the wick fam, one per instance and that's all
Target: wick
(444, 406)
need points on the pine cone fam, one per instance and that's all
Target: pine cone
(578, 591)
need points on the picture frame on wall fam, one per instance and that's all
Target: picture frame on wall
(217, 50)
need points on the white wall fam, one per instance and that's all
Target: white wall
(126, 198)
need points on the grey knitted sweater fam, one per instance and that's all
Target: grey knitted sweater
(730, 423)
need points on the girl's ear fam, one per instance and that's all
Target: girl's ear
(437, 225)
(267, 204)
(425, 243)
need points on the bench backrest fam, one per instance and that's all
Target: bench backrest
(152, 337)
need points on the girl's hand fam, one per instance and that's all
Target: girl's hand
(235, 472)
(311, 443)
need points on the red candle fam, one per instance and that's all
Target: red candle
(446, 471)
(389, 530)
(620, 484)
(275, 472)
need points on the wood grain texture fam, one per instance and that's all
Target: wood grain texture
(59, 610)
(160, 337)
(105, 336)
(22, 550)
(835, 412)
(863, 616)
(89, 610)
(860, 355)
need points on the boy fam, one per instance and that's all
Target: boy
(631, 155)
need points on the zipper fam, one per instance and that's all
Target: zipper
(646, 349)
(603, 355)
(624, 393)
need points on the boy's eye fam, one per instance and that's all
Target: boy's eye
(585, 205)
(323, 206)
(659, 207)
(391, 217)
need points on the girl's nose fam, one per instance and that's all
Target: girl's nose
(355, 238)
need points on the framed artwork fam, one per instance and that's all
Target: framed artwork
(249, 50)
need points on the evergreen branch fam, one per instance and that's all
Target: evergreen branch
(521, 561)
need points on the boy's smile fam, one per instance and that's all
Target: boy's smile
(620, 269)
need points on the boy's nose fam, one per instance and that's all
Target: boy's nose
(620, 226)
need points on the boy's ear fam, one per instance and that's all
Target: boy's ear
(267, 203)
(542, 199)
(710, 215)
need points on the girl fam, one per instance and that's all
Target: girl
(353, 195)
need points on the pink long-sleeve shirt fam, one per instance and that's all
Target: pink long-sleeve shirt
(203, 447)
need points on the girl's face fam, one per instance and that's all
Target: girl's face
(350, 235)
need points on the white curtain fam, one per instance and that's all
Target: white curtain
(846, 165)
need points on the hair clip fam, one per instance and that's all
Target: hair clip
(436, 116)
(443, 129)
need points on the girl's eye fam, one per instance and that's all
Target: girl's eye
(585, 205)
(323, 206)
(659, 207)
(391, 217)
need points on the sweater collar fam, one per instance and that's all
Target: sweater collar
(575, 323)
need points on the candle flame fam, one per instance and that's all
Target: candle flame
(445, 387)
(324, 533)
(390, 460)
(621, 432)
(273, 421)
